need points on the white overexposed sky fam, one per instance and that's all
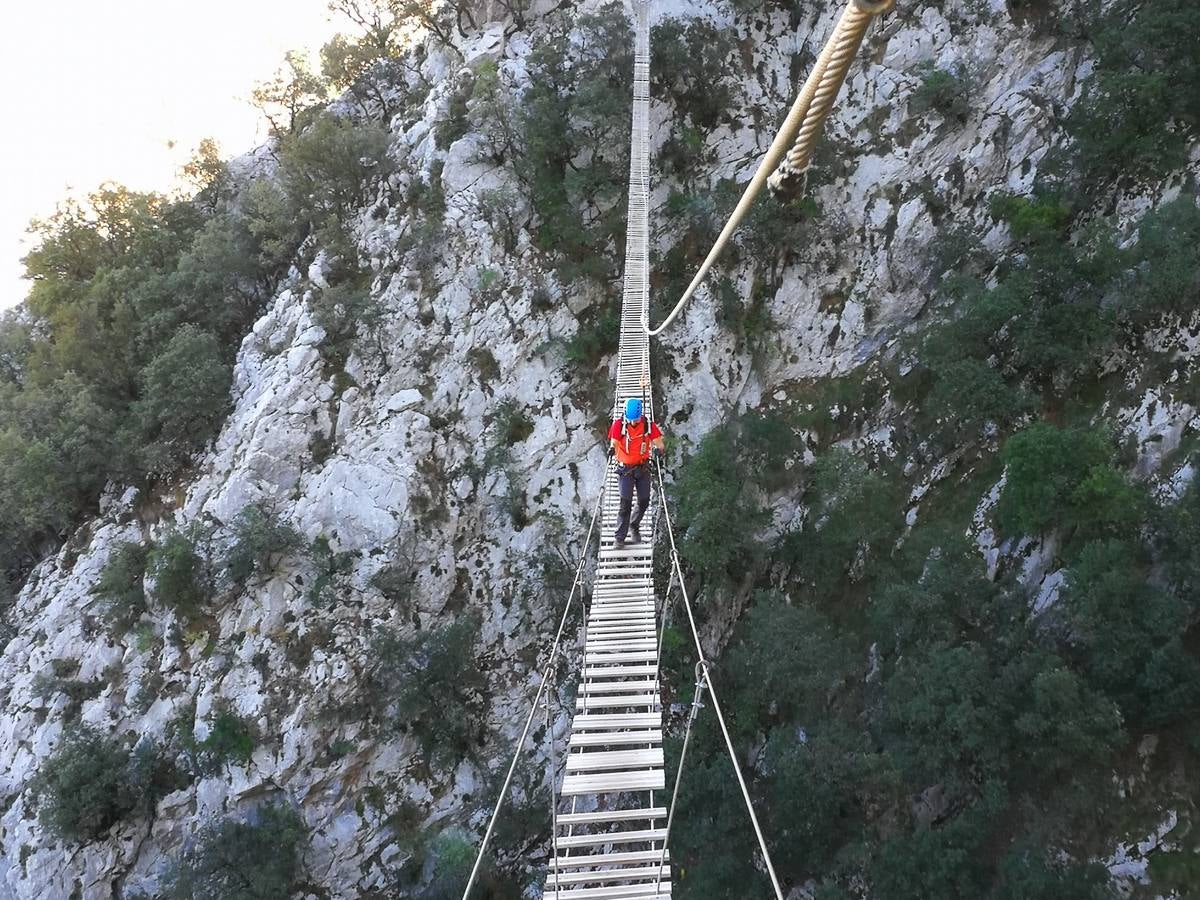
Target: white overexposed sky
(99, 89)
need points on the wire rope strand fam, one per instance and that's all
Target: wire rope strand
(697, 703)
(712, 691)
(562, 625)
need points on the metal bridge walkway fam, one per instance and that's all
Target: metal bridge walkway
(614, 762)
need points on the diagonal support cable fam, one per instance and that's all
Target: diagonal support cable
(533, 707)
(712, 690)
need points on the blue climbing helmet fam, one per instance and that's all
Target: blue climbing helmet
(633, 409)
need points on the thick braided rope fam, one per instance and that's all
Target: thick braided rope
(857, 15)
(846, 41)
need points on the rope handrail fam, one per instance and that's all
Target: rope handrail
(546, 675)
(800, 130)
(712, 690)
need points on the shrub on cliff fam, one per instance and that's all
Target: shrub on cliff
(1142, 107)
(181, 580)
(1065, 477)
(331, 168)
(261, 541)
(429, 684)
(184, 399)
(92, 781)
(259, 859)
(121, 586)
(573, 127)
(941, 90)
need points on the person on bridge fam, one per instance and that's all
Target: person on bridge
(633, 438)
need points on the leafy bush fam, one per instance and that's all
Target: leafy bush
(944, 863)
(943, 91)
(1033, 874)
(1058, 313)
(686, 65)
(332, 168)
(261, 541)
(788, 662)
(231, 739)
(718, 510)
(1175, 537)
(455, 124)
(572, 127)
(91, 782)
(596, 337)
(342, 310)
(1127, 634)
(454, 855)
(1035, 220)
(260, 859)
(430, 684)
(1140, 109)
(329, 565)
(191, 366)
(840, 775)
(1064, 477)
(969, 394)
(121, 586)
(512, 424)
(181, 580)
(852, 514)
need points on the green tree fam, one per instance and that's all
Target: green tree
(574, 112)
(121, 586)
(430, 684)
(331, 168)
(852, 514)
(1127, 635)
(788, 665)
(718, 510)
(259, 859)
(1140, 108)
(180, 574)
(169, 427)
(261, 540)
(289, 94)
(1033, 874)
(1064, 477)
(941, 90)
(85, 786)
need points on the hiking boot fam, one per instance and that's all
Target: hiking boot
(636, 534)
(619, 543)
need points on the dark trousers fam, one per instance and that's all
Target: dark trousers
(632, 477)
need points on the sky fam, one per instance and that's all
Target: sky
(124, 91)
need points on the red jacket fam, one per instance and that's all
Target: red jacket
(634, 440)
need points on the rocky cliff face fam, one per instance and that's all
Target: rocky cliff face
(388, 457)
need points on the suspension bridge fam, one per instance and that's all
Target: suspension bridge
(610, 814)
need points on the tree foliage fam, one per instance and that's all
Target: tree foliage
(121, 586)
(258, 859)
(261, 541)
(1140, 110)
(429, 684)
(181, 576)
(92, 781)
